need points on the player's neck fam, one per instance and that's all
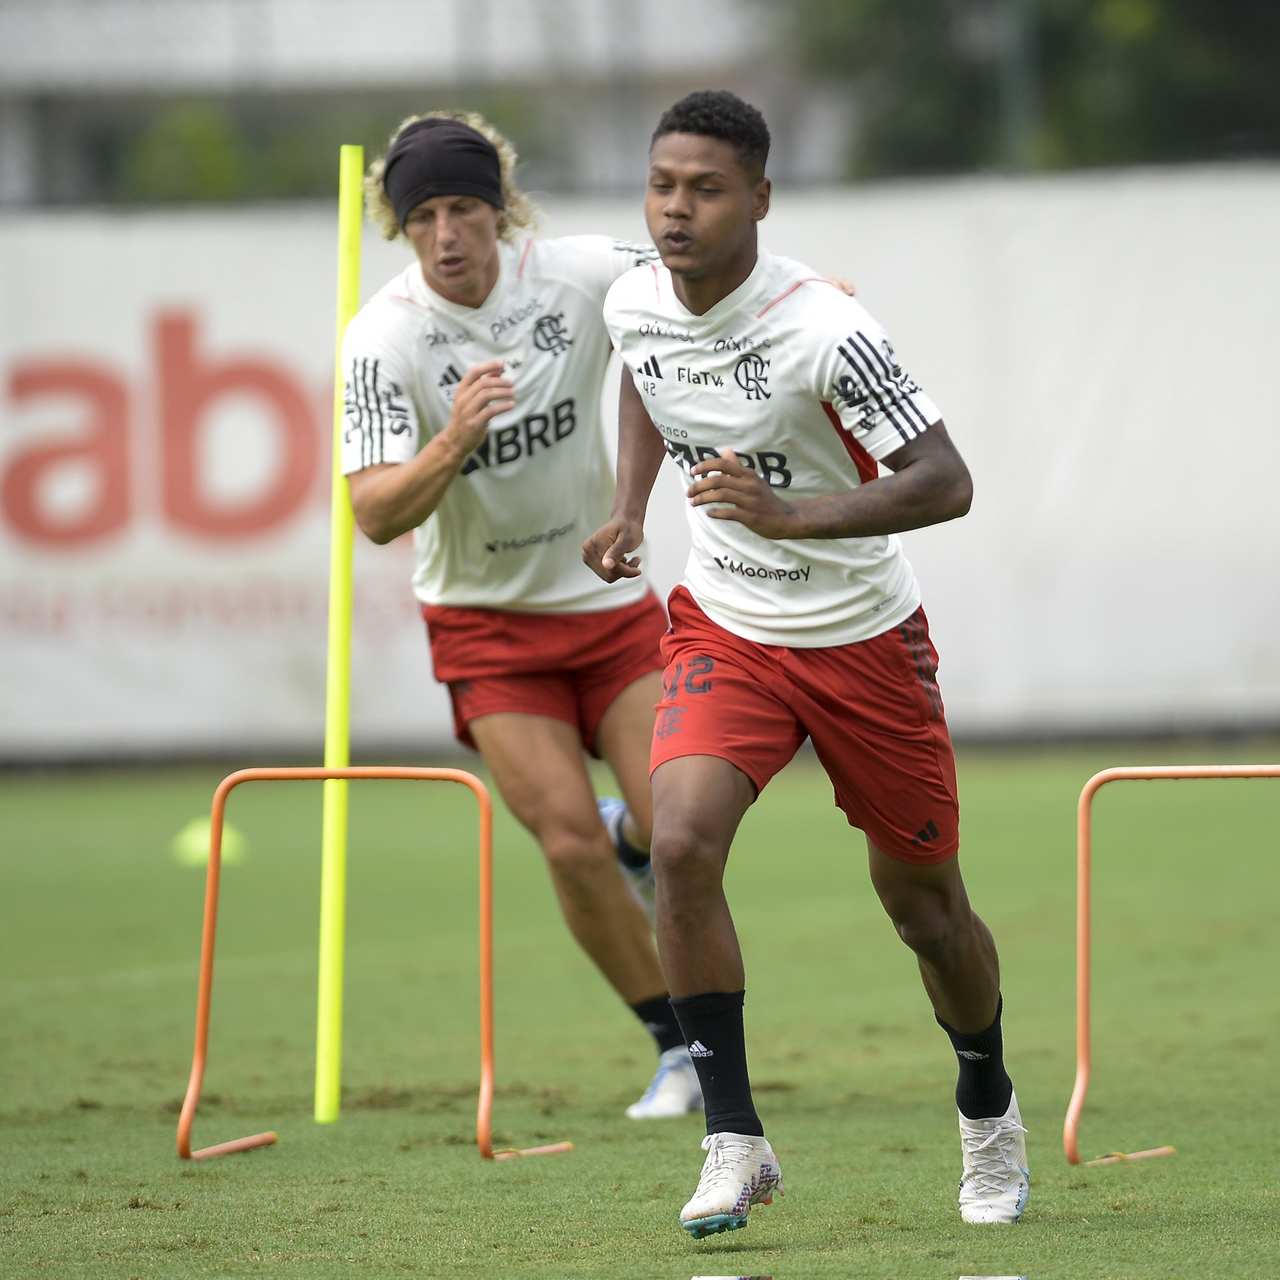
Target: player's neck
(699, 294)
(471, 291)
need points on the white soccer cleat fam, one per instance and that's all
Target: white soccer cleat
(996, 1182)
(639, 879)
(740, 1170)
(673, 1091)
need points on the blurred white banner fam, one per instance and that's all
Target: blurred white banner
(1096, 344)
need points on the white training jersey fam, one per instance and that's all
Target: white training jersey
(508, 531)
(801, 382)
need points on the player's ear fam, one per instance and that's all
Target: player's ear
(760, 199)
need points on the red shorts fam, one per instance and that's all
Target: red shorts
(569, 666)
(872, 709)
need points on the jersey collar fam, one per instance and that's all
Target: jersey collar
(730, 303)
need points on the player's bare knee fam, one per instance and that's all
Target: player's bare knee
(575, 855)
(684, 858)
(931, 925)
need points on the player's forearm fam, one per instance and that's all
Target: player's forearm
(919, 495)
(641, 450)
(638, 462)
(400, 497)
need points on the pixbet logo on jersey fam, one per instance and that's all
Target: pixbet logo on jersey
(439, 338)
(656, 329)
(499, 326)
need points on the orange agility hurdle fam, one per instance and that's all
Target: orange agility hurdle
(204, 995)
(1084, 843)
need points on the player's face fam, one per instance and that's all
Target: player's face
(456, 240)
(701, 205)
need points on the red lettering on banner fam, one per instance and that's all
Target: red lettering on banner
(189, 386)
(103, 447)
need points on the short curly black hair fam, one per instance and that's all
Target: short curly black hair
(717, 113)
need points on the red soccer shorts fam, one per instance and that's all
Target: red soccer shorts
(569, 666)
(872, 710)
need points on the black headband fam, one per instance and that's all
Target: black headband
(440, 157)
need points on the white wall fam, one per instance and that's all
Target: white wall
(1101, 348)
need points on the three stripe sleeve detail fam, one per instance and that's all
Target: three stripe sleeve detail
(368, 416)
(872, 370)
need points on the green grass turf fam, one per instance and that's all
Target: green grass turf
(100, 935)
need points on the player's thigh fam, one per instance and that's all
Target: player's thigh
(722, 696)
(877, 724)
(537, 764)
(624, 739)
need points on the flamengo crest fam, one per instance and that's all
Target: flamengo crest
(750, 373)
(549, 334)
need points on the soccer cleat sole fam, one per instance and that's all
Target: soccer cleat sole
(709, 1226)
(699, 1228)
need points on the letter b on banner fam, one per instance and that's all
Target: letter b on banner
(190, 387)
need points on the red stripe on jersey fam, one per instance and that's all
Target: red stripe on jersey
(788, 292)
(524, 257)
(866, 464)
(657, 288)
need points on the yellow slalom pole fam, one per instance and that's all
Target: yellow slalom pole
(337, 719)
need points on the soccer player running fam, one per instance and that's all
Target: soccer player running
(472, 390)
(798, 617)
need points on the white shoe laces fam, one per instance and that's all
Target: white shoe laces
(990, 1162)
(723, 1150)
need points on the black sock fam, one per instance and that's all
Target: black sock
(659, 1021)
(712, 1026)
(631, 857)
(983, 1089)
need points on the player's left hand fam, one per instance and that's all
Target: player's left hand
(750, 500)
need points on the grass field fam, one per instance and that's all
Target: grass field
(100, 938)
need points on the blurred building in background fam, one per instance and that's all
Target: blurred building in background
(180, 100)
(143, 100)
(1095, 313)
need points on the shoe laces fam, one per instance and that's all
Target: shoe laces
(990, 1161)
(724, 1151)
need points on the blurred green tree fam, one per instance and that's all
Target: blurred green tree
(267, 148)
(947, 85)
(190, 151)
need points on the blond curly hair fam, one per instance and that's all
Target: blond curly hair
(519, 213)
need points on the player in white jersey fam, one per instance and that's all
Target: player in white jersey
(472, 396)
(798, 617)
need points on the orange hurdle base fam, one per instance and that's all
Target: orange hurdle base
(204, 996)
(1084, 933)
